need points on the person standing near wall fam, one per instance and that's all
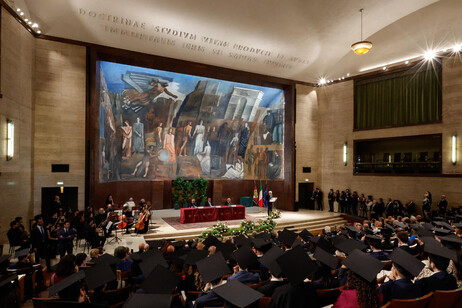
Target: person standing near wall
(331, 199)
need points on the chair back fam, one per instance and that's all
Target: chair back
(328, 296)
(117, 296)
(420, 302)
(451, 298)
(264, 302)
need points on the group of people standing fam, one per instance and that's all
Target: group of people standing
(368, 207)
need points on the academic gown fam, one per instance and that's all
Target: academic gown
(438, 281)
(268, 288)
(399, 289)
(245, 277)
(289, 296)
(210, 299)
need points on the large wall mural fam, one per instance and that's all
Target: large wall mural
(162, 125)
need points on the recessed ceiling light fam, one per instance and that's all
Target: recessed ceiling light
(384, 68)
(322, 81)
(343, 77)
(407, 62)
(348, 74)
(29, 22)
(429, 55)
(22, 13)
(35, 25)
(38, 31)
(456, 48)
(26, 19)
(18, 10)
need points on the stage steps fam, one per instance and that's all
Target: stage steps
(315, 226)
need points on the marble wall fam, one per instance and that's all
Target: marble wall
(17, 68)
(335, 113)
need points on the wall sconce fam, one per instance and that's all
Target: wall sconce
(345, 154)
(10, 140)
(454, 150)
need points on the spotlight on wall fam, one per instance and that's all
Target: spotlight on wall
(345, 153)
(454, 150)
(10, 140)
(62, 189)
(429, 55)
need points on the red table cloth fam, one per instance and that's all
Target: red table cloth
(190, 215)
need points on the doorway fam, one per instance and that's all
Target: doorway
(305, 189)
(69, 198)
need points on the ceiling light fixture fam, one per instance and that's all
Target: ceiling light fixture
(322, 81)
(406, 62)
(384, 68)
(456, 48)
(429, 55)
(18, 10)
(361, 47)
(35, 25)
(38, 31)
(22, 13)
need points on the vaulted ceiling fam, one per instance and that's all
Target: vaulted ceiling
(295, 39)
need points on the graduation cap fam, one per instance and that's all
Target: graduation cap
(263, 235)
(179, 244)
(364, 265)
(444, 224)
(150, 260)
(349, 245)
(211, 241)
(22, 253)
(8, 279)
(427, 226)
(245, 257)
(137, 256)
(4, 261)
(438, 218)
(424, 232)
(325, 258)
(238, 293)
(261, 244)
(155, 244)
(390, 227)
(441, 231)
(324, 244)
(98, 275)
(305, 235)
(226, 249)
(401, 225)
(297, 242)
(434, 247)
(148, 300)
(242, 240)
(107, 258)
(66, 283)
(195, 255)
(458, 225)
(269, 260)
(407, 261)
(386, 231)
(415, 226)
(160, 281)
(287, 237)
(213, 267)
(451, 241)
(353, 229)
(338, 239)
(296, 265)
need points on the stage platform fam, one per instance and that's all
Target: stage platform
(165, 223)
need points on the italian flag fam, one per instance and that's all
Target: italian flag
(255, 196)
(260, 197)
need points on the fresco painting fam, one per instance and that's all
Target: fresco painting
(159, 125)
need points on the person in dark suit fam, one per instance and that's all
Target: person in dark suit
(403, 242)
(66, 239)
(40, 241)
(268, 288)
(440, 280)
(209, 202)
(228, 202)
(208, 298)
(330, 198)
(319, 199)
(269, 196)
(290, 296)
(442, 206)
(193, 203)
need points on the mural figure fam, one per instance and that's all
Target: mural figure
(204, 158)
(138, 136)
(236, 171)
(134, 97)
(162, 125)
(199, 131)
(128, 138)
(169, 145)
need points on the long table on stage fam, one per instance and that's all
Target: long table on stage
(201, 214)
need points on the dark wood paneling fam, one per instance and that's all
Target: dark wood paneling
(161, 194)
